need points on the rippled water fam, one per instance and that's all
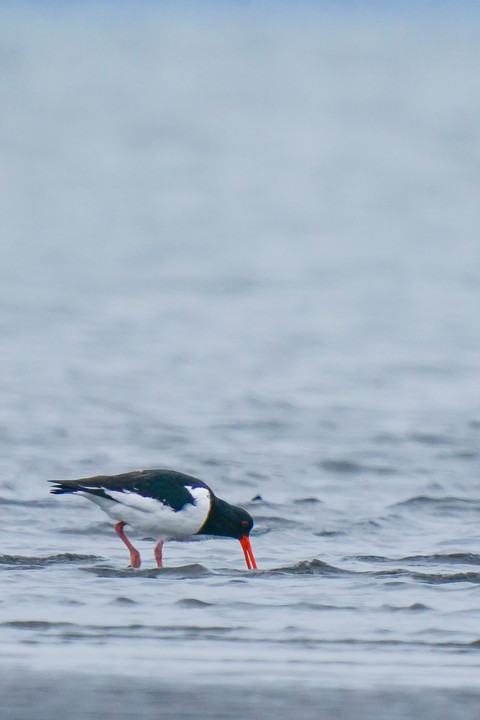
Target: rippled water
(247, 250)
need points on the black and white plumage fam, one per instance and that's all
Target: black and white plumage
(165, 504)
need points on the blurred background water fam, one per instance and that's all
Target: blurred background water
(243, 241)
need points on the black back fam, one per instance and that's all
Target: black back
(167, 486)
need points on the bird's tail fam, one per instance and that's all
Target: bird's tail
(64, 486)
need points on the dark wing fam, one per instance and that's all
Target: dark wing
(167, 486)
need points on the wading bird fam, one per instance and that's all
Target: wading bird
(164, 504)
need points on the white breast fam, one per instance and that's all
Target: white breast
(152, 516)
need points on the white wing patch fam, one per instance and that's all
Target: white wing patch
(154, 517)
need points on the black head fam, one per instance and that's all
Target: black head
(227, 520)
(230, 521)
(243, 523)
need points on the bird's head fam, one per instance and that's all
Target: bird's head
(230, 521)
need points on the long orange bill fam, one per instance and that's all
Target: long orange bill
(247, 549)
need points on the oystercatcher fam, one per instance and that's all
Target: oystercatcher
(163, 503)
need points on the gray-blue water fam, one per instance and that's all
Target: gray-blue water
(245, 246)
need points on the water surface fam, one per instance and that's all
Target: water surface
(247, 250)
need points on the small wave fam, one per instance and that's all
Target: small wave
(446, 504)
(313, 567)
(434, 439)
(372, 525)
(26, 503)
(193, 603)
(348, 467)
(341, 467)
(451, 559)
(275, 521)
(320, 607)
(330, 533)
(445, 579)
(21, 561)
(414, 608)
(308, 501)
(431, 578)
(318, 567)
(465, 455)
(184, 571)
(36, 625)
(435, 559)
(66, 631)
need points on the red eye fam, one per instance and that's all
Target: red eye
(245, 523)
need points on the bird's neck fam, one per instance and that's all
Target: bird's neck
(218, 519)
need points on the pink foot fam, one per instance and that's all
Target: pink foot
(158, 553)
(135, 559)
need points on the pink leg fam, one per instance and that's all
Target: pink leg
(135, 560)
(158, 553)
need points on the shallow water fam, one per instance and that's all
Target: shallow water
(247, 250)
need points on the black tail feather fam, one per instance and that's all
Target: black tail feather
(73, 486)
(64, 486)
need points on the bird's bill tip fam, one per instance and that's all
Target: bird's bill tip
(247, 549)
